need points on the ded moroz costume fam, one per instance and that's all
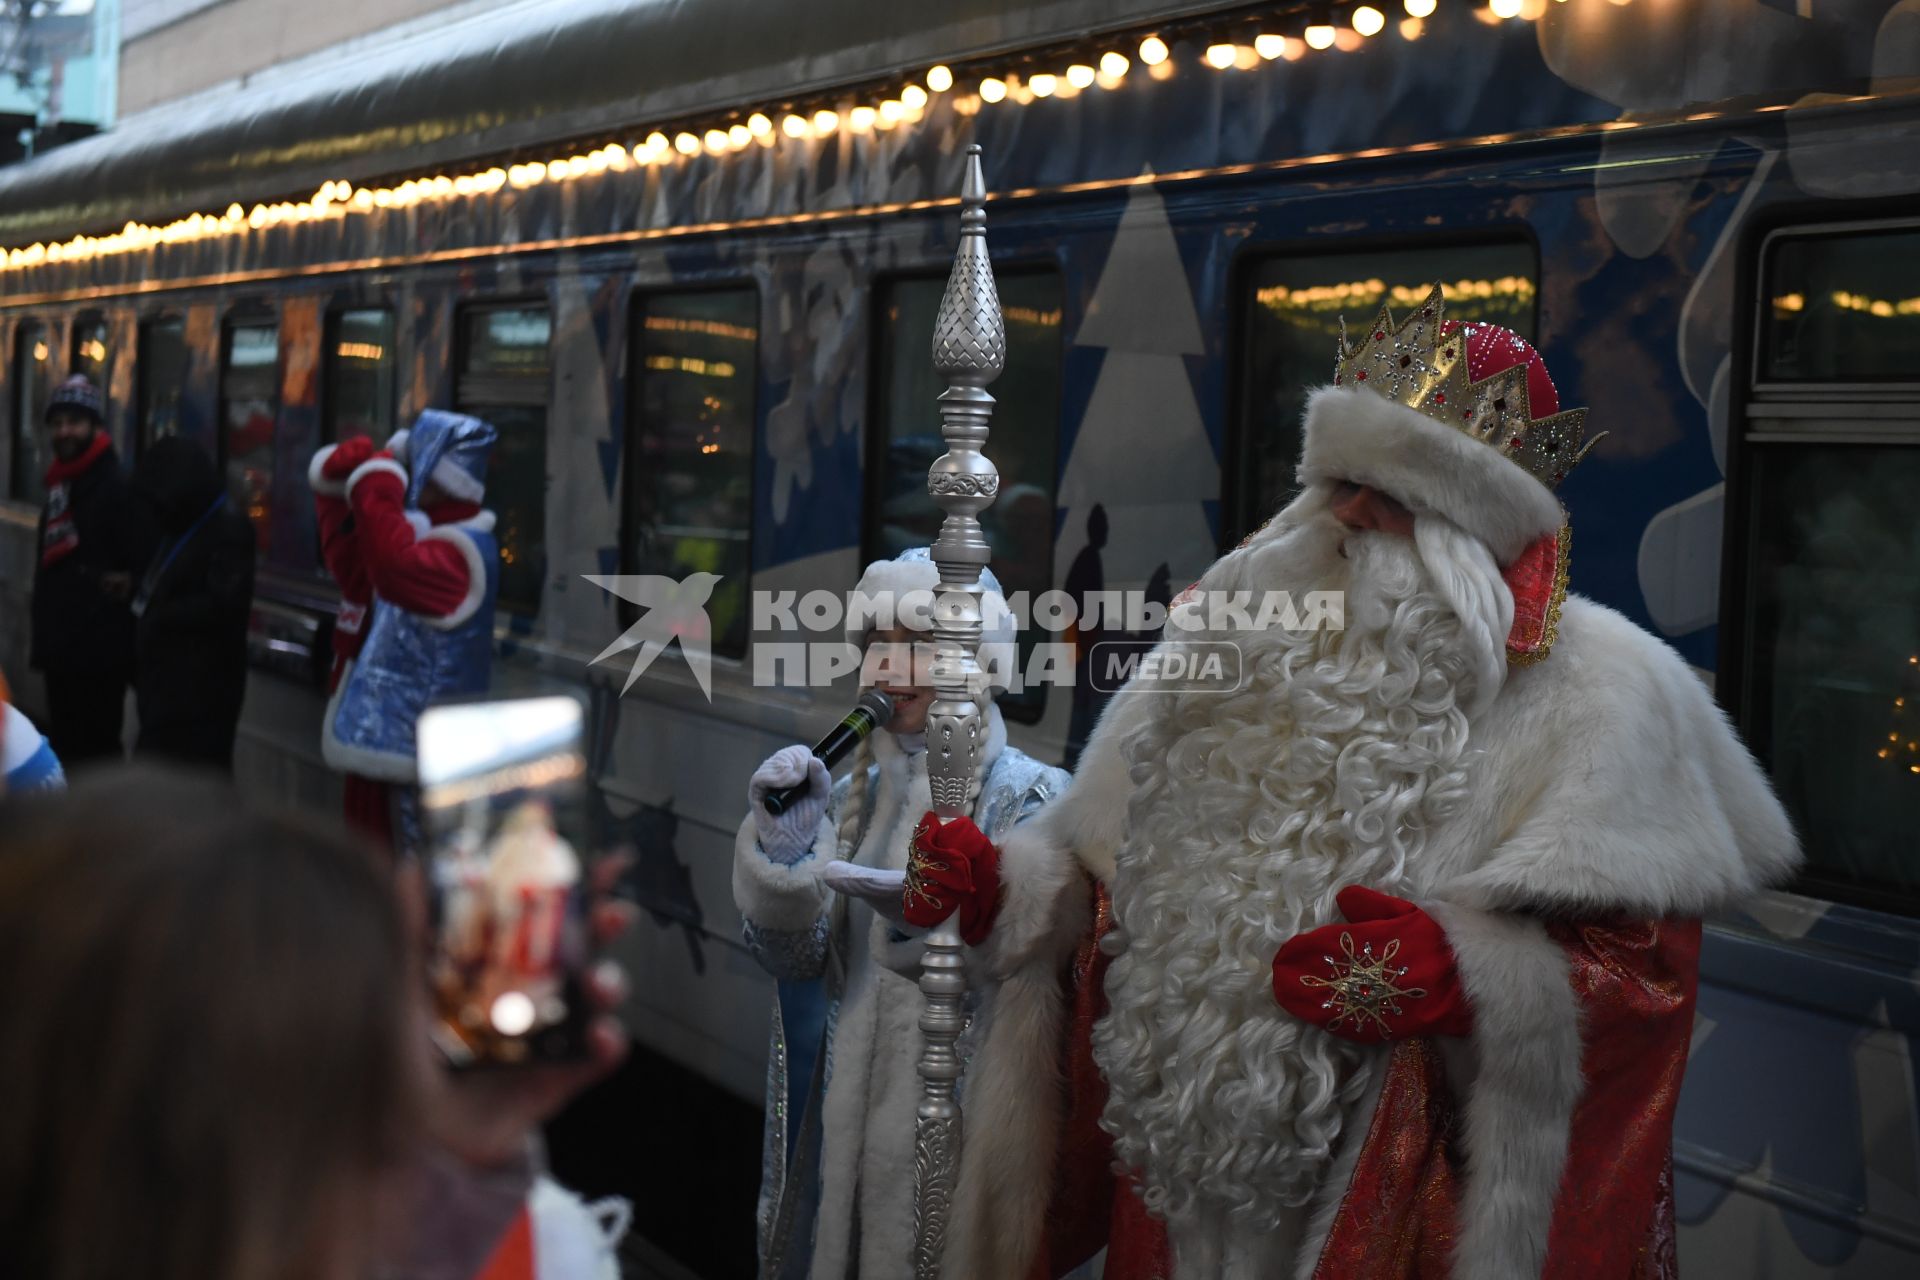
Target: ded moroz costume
(1407, 926)
(417, 550)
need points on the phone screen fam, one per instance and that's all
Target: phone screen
(503, 803)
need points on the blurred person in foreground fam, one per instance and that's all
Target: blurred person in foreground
(92, 541)
(217, 1065)
(191, 609)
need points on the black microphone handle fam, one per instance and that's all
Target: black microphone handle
(842, 738)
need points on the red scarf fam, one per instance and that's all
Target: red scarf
(60, 471)
(61, 536)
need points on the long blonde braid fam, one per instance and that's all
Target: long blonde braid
(853, 810)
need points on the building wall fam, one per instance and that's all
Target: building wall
(172, 48)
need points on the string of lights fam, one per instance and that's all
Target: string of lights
(1237, 45)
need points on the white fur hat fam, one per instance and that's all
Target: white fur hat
(1358, 433)
(901, 592)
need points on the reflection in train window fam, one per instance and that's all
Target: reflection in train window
(1024, 446)
(1830, 678)
(32, 381)
(358, 396)
(249, 409)
(89, 355)
(690, 456)
(162, 377)
(1842, 308)
(1293, 308)
(503, 379)
(1820, 655)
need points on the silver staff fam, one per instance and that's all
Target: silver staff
(969, 350)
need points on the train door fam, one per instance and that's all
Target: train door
(1798, 1143)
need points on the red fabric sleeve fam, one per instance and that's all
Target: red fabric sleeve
(340, 550)
(426, 576)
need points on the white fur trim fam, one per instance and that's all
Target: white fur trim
(397, 444)
(476, 574)
(1610, 781)
(1517, 1108)
(1090, 819)
(1356, 435)
(317, 480)
(1015, 1095)
(786, 898)
(375, 466)
(455, 483)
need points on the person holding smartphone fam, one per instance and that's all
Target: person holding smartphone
(837, 1195)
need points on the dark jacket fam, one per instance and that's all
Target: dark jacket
(77, 625)
(193, 603)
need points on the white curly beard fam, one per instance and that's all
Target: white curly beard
(1250, 811)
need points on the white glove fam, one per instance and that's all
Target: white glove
(786, 838)
(881, 889)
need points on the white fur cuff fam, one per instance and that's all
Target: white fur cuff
(376, 466)
(1356, 435)
(1524, 1083)
(775, 896)
(455, 483)
(316, 474)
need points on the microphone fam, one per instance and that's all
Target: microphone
(872, 710)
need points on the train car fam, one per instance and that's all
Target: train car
(694, 288)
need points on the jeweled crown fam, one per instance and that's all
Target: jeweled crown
(1423, 365)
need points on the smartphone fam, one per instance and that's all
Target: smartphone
(504, 812)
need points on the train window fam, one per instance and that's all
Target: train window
(1292, 309)
(1821, 651)
(358, 399)
(690, 455)
(163, 377)
(32, 381)
(1842, 308)
(89, 355)
(504, 379)
(1025, 438)
(249, 409)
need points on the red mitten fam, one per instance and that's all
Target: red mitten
(346, 456)
(952, 866)
(1387, 975)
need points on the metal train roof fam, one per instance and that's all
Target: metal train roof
(481, 79)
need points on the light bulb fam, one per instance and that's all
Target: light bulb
(825, 121)
(1220, 56)
(1369, 21)
(686, 144)
(1114, 64)
(1153, 51)
(992, 90)
(939, 79)
(1320, 36)
(1269, 47)
(759, 126)
(1042, 85)
(860, 119)
(914, 97)
(1420, 8)
(794, 126)
(1504, 8)
(739, 136)
(1080, 75)
(890, 113)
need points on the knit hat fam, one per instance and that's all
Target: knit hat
(76, 393)
(904, 588)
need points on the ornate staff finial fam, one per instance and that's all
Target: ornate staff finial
(969, 351)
